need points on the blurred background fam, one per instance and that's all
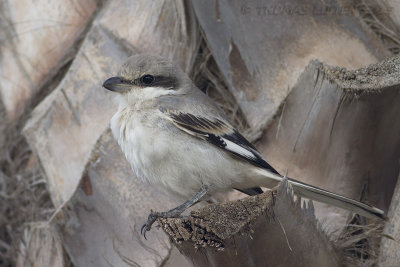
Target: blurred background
(313, 84)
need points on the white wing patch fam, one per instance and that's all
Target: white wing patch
(231, 146)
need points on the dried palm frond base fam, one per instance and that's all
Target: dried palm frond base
(270, 229)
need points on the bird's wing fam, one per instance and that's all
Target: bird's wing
(220, 134)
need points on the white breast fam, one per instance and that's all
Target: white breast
(163, 155)
(135, 140)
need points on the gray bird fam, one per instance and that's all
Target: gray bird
(175, 137)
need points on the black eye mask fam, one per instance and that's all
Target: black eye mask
(119, 84)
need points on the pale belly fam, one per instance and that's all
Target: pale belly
(174, 160)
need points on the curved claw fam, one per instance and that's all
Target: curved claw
(147, 226)
(143, 232)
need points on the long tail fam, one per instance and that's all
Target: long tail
(321, 195)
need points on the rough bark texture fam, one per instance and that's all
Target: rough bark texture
(269, 230)
(339, 130)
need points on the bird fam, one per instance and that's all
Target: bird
(175, 137)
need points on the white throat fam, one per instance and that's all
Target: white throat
(138, 97)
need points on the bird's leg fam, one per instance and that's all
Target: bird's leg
(175, 212)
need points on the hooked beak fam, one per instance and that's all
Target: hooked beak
(116, 84)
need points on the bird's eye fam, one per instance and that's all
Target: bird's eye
(147, 79)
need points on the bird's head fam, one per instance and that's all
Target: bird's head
(147, 75)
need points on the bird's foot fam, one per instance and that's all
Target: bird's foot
(153, 216)
(174, 213)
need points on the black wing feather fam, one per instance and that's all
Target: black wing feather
(251, 191)
(238, 139)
